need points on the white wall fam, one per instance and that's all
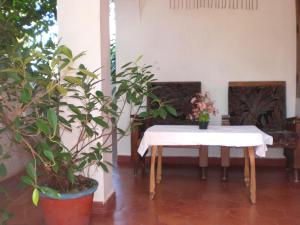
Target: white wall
(83, 26)
(210, 45)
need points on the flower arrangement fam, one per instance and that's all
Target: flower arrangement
(202, 107)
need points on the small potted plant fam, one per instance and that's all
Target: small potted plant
(202, 107)
(44, 95)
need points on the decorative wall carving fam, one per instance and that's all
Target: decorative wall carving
(261, 105)
(217, 4)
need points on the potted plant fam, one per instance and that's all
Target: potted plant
(43, 95)
(202, 107)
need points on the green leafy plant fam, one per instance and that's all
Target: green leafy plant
(23, 25)
(44, 96)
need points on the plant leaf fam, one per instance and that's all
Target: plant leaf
(74, 108)
(99, 120)
(162, 113)
(61, 90)
(49, 155)
(88, 73)
(17, 122)
(171, 110)
(25, 96)
(3, 170)
(50, 192)
(139, 58)
(42, 126)
(65, 51)
(103, 166)
(73, 80)
(31, 171)
(70, 175)
(35, 196)
(144, 115)
(18, 137)
(52, 118)
(5, 216)
(27, 180)
(89, 131)
(79, 55)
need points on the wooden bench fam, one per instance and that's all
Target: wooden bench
(263, 104)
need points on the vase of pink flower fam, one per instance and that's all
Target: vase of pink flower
(202, 107)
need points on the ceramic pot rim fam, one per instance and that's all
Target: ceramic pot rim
(77, 194)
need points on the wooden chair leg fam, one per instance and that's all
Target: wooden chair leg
(135, 168)
(203, 161)
(296, 155)
(296, 175)
(292, 162)
(289, 155)
(135, 157)
(152, 172)
(296, 163)
(225, 161)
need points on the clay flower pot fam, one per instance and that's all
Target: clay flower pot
(70, 209)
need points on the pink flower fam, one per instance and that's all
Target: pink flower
(201, 103)
(193, 100)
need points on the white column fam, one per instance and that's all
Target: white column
(84, 26)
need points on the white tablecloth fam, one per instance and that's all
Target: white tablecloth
(231, 136)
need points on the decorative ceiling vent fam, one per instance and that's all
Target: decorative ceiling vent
(217, 4)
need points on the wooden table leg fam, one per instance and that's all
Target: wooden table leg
(203, 160)
(159, 165)
(253, 176)
(225, 161)
(246, 169)
(152, 171)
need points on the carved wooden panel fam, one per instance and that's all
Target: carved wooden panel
(257, 103)
(177, 94)
(284, 138)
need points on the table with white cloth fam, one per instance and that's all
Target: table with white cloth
(250, 138)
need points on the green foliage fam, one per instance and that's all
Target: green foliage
(25, 20)
(52, 119)
(4, 216)
(204, 117)
(49, 192)
(3, 170)
(36, 107)
(33, 105)
(22, 24)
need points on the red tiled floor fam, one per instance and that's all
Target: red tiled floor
(184, 199)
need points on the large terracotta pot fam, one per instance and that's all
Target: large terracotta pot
(70, 209)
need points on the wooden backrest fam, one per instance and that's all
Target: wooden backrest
(177, 94)
(257, 103)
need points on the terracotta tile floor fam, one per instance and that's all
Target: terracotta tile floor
(184, 199)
